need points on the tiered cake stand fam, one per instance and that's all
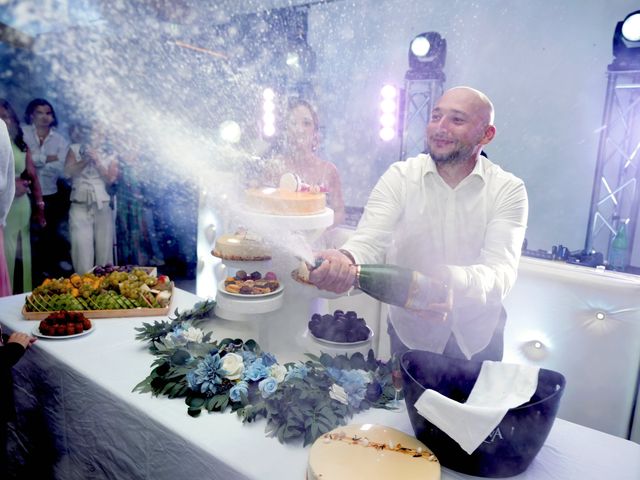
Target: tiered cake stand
(280, 319)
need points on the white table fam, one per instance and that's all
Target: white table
(78, 392)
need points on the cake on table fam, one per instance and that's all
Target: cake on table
(241, 246)
(372, 452)
(292, 197)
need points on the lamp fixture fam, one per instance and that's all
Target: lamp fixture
(626, 43)
(427, 54)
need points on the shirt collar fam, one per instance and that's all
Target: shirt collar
(478, 170)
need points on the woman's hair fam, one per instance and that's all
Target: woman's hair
(35, 103)
(18, 139)
(296, 102)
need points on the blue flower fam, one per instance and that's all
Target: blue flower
(374, 390)
(299, 370)
(267, 386)
(256, 371)
(247, 356)
(207, 375)
(239, 389)
(268, 359)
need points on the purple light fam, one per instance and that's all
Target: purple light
(387, 134)
(389, 92)
(388, 120)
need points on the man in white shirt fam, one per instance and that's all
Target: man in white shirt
(453, 215)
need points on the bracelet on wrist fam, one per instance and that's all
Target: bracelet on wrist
(348, 254)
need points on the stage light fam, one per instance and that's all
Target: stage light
(387, 134)
(388, 113)
(626, 43)
(268, 94)
(631, 27)
(420, 46)
(230, 131)
(427, 54)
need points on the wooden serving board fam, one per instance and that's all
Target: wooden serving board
(117, 313)
(93, 314)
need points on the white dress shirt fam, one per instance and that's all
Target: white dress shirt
(415, 220)
(7, 173)
(54, 144)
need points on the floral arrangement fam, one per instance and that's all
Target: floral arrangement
(300, 401)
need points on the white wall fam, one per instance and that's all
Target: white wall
(543, 63)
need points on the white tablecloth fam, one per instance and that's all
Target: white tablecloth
(76, 394)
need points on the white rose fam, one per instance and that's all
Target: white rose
(337, 393)
(193, 334)
(278, 372)
(232, 364)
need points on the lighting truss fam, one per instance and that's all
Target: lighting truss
(615, 197)
(420, 95)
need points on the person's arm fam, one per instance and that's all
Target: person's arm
(372, 238)
(335, 191)
(110, 173)
(73, 165)
(492, 275)
(14, 347)
(36, 190)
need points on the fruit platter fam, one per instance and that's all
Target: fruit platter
(106, 293)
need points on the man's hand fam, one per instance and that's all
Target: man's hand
(21, 338)
(336, 273)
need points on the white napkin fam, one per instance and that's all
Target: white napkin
(499, 387)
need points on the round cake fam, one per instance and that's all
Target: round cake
(277, 201)
(372, 452)
(241, 246)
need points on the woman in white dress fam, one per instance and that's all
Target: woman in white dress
(92, 170)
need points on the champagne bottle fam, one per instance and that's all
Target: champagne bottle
(399, 286)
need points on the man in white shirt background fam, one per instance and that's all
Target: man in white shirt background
(451, 214)
(49, 149)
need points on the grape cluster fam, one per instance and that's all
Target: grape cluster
(103, 270)
(340, 327)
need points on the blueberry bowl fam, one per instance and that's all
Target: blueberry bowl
(511, 446)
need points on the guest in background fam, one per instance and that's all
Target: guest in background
(7, 190)
(299, 156)
(17, 236)
(138, 238)
(92, 169)
(48, 150)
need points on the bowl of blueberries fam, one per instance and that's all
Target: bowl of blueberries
(340, 332)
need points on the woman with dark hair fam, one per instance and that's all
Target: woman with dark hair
(299, 155)
(17, 229)
(48, 150)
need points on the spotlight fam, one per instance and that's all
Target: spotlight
(230, 131)
(388, 112)
(626, 43)
(427, 54)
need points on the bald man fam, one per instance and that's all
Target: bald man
(451, 214)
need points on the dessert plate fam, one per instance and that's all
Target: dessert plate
(342, 344)
(248, 295)
(36, 333)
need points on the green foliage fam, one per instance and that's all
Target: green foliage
(301, 407)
